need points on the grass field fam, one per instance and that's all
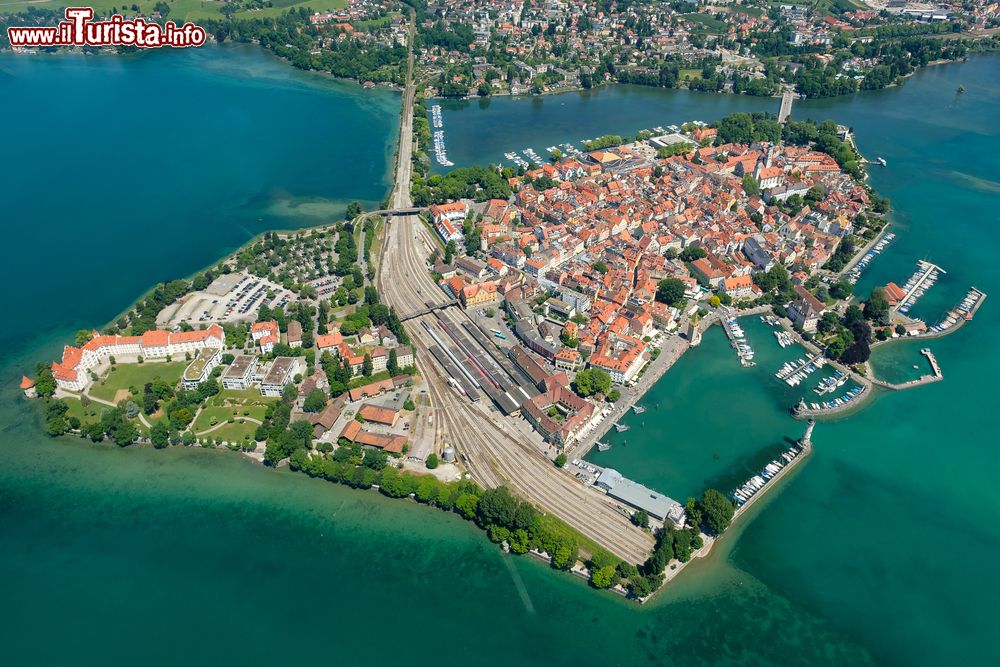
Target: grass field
(85, 414)
(230, 403)
(124, 376)
(711, 24)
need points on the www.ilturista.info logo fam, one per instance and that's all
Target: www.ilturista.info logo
(79, 30)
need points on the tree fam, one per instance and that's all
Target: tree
(159, 434)
(877, 307)
(750, 185)
(467, 504)
(432, 461)
(315, 401)
(497, 506)
(561, 460)
(367, 366)
(641, 519)
(83, 337)
(692, 253)
(604, 577)
(670, 291)
(716, 511)
(592, 381)
(164, 11)
(353, 210)
(393, 364)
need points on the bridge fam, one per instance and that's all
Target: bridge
(787, 98)
(397, 212)
(428, 309)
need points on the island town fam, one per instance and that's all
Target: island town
(547, 314)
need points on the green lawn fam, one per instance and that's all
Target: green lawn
(124, 376)
(234, 432)
(90, 413)
(232, 403)
(710, 23)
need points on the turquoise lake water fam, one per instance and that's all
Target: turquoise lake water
(879, 550)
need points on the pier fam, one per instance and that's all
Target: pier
(915, 283)
(804, 445)
(935, 376)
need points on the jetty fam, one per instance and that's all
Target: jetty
(737, 338)
(921, 281)
(935, 376)
(773, 471)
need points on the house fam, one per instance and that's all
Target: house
(330, 341)
(558, 414)
(568, 359)
(266, 335)
(480, 294)
(640, 497)
(353, 432)
(448, 218)
(200, 369)
(378, 415)
(28, 386)
(281, 373)
(806, 310)
(738, 287)
(324, 421)
(294, 333)
(239, 375)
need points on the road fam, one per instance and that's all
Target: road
(493, 450)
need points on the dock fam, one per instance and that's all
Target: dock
(804, 445)
(916, 283)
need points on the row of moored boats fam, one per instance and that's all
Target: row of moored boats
(918, 284)
(754, 485)
(794, 372)
(962, 312)
(829, 384)
(739, 341)
(863, 263)
(851, 395)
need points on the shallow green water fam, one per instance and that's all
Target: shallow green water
(880, 549)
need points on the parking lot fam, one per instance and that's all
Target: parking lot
(244, 297)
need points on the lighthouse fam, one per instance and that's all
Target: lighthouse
(806, 439)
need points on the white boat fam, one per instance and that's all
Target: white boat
(603, 446)
(621, 428)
